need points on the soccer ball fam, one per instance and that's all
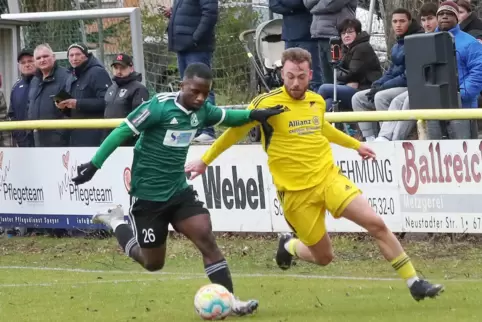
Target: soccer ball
(213, 302)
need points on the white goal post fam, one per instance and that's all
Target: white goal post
(134, 15)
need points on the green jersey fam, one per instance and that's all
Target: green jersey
(165, 130)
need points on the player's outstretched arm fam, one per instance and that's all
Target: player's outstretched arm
(137, 121)
(338, 137)
(230, 137)
(232, 118)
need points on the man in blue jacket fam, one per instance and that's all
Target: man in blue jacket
(19, 97)
(469, 66)
(296, 33)
(191, 36)
(394, 81)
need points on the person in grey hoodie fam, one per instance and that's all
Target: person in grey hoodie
(327, 15)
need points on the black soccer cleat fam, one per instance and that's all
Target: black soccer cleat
(283, 257)
(422, 289)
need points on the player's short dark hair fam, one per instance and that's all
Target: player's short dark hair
(200, 70)
(404, 12)
(350, 23)
(428, 9)
(296, 55)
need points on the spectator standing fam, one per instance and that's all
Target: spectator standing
(394, 81)
(5, 136)
(126, 92)
(400, 130)
(48, 81)
(297, 21)
(327, 14)
(18, 108)
(469, 67)
(87, 84)
(468, 21)
(191, 36)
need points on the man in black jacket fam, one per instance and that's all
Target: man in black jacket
(87, 84)
(191, 36)
(126, 92)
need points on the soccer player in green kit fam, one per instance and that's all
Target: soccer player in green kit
(160, 194)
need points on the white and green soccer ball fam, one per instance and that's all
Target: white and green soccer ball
(213, 302)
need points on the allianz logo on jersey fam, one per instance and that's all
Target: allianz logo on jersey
(295, 123)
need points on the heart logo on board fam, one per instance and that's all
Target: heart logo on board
(65, 160)
(127, 179)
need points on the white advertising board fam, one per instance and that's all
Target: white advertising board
(417, 186)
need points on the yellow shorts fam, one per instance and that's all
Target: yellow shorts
(305, 210)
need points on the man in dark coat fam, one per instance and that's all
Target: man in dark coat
(87, 84)
(19, 97)
(48, 81)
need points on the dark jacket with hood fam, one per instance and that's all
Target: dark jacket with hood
(360, 63)
(41, 106)
(88, 84)
(472, 25)
(123, 96)
(192, 24)
(395, 76)
(18, 110)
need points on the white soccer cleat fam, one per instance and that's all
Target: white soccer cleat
(111, 217)
(241, 308)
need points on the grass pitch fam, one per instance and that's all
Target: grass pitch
(71, 279)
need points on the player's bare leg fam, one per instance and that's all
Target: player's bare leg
(199, 230)
(360, 212)
(152, 259)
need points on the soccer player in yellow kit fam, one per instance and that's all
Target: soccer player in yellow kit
(308, 182)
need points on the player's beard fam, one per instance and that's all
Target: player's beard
(298, 93)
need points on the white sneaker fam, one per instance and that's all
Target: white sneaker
(241, 308)
(204, 138)
(370, 138)
(382, 139)
(112, 217)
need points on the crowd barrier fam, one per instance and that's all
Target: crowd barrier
(416, 186)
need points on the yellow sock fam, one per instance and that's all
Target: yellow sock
(404, 267)
(290, 246)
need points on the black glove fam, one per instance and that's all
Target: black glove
(85, 172)
(371, 94)
(262, 114)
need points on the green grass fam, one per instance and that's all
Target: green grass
(119, 290)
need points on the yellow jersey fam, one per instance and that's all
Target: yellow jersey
(297, 141)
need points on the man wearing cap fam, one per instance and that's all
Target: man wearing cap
(19, 97)
(126, 92)
(87, 84)
(469, 66)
